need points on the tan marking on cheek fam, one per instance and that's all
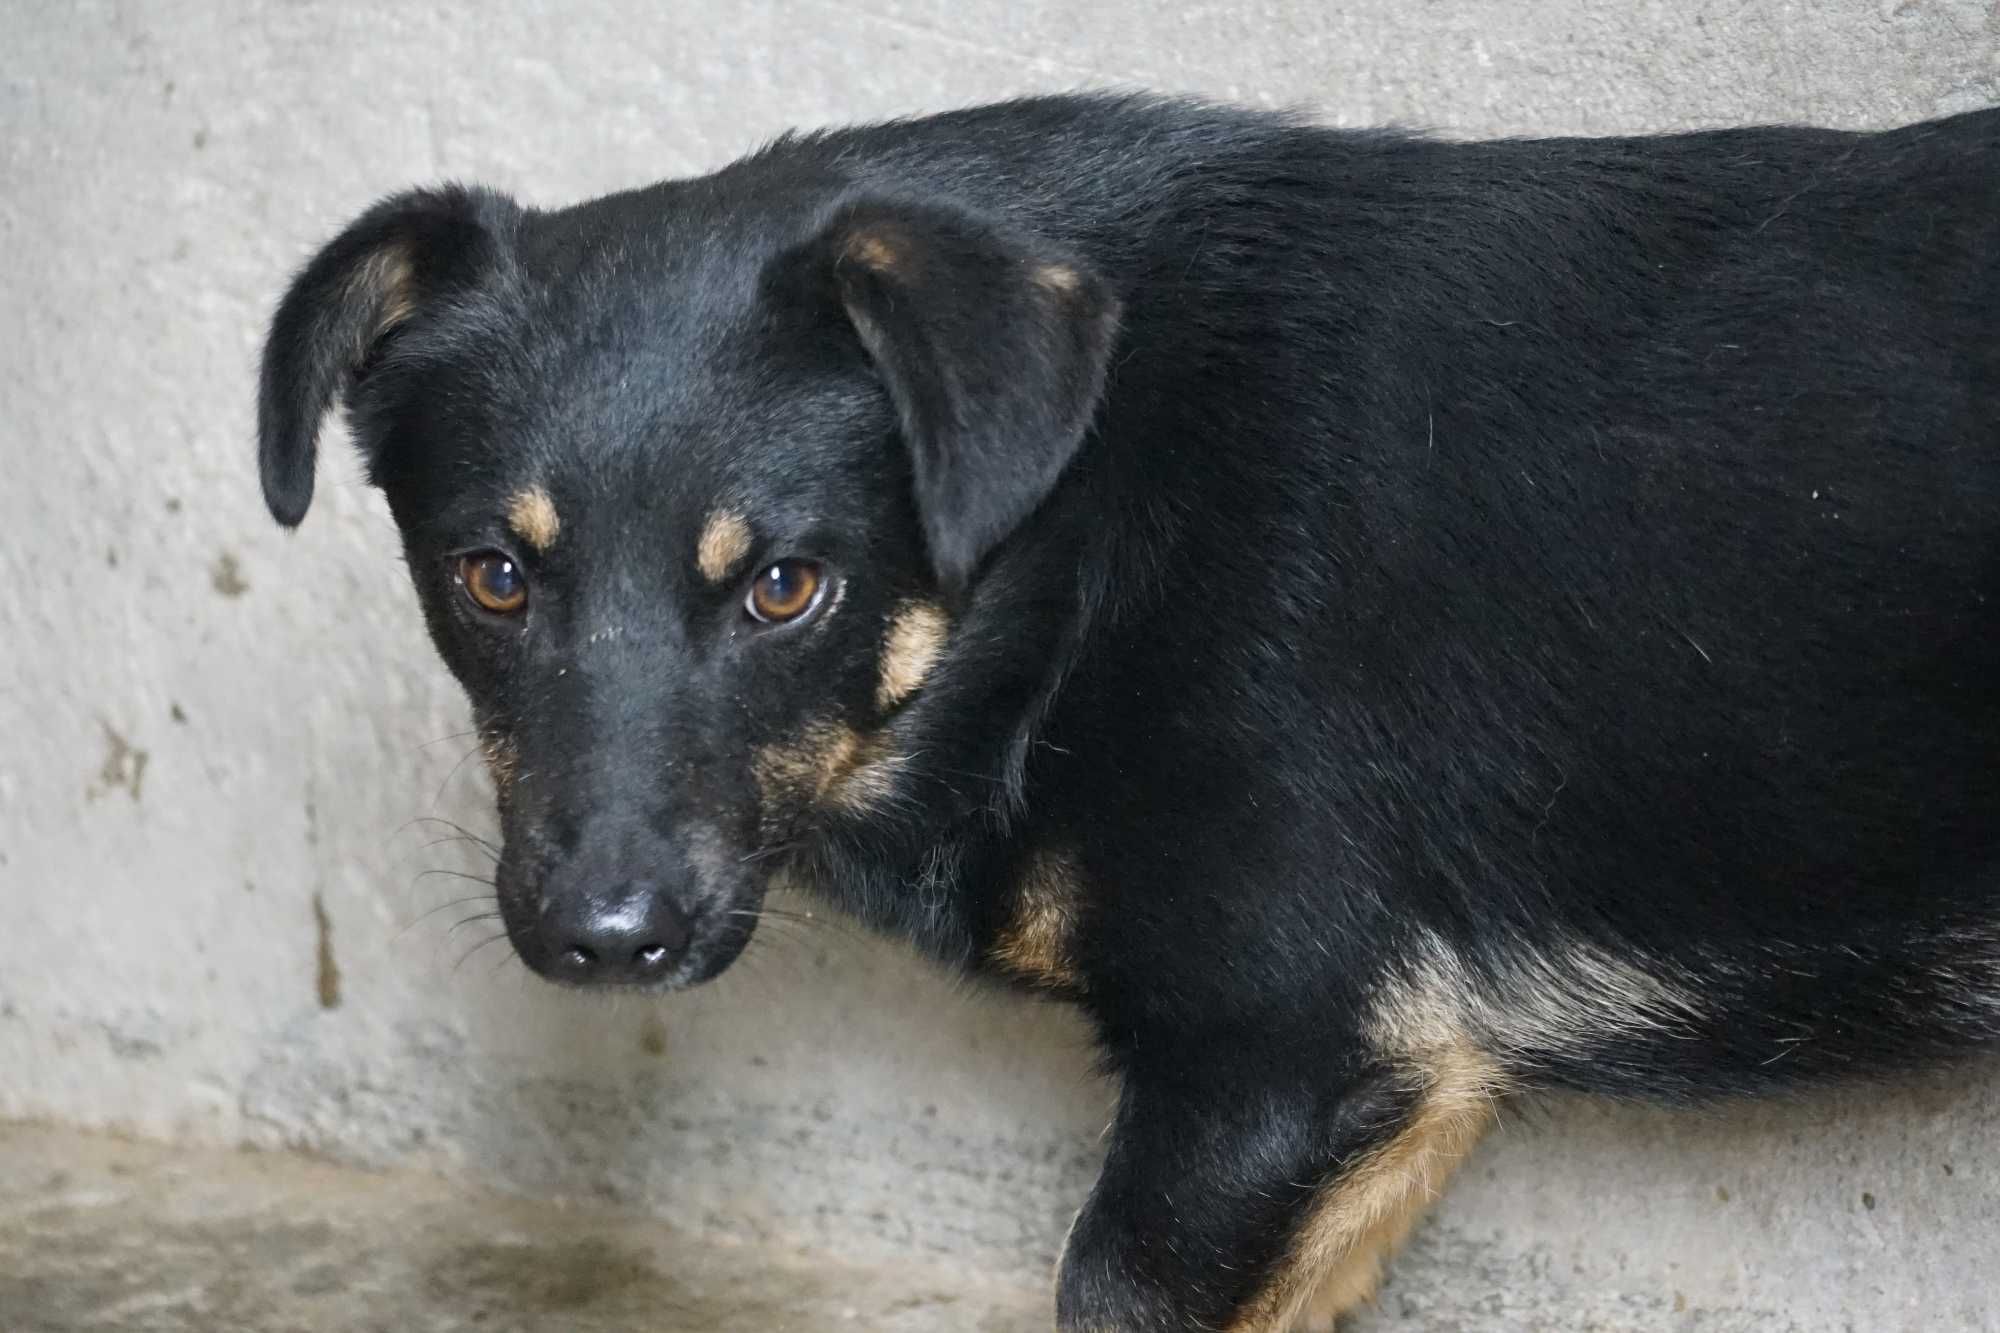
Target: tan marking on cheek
(1336, 1259)
(1038, 944)
(911, 648)
(796, 772)
(724, 541)
(808, 769)
(532, 515)
(503, 761)
(871, 782)
(830, 764)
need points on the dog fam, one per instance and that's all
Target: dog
(1380, 624)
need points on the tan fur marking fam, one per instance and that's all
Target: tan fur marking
(1439, 1015)
(388, 278)
(875, 248)
(831, 763)
(1554, 998)
(1353, 1281)
(807, 767)
(1037, 944)
(1336, 1258)
(532, 515)
(912, 647)
(724, 541)
(503, 760)
(870, 782)
(1058, 278)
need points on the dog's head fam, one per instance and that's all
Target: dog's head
(691, 483)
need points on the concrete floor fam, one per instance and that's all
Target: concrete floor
(103, 1233)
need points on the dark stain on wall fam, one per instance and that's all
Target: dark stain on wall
(327, 971)
(226, 576)
(124, 765)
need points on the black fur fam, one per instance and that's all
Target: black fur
(1552, 579)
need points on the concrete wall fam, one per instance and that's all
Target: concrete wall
(215, 916)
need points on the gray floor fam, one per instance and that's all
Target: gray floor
(100, 1234)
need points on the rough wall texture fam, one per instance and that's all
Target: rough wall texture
(216, 916)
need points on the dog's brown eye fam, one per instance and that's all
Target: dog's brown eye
(784, 591)
(493, 582)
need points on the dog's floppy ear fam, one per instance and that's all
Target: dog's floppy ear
(369, 281)
(993, 347)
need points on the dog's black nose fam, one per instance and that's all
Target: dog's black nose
(631, 938)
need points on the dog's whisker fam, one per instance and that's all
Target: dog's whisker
(463, 922)
(817, 921)
(962, 773)
(446, 905)
(776, 914)
(784, 924)
(456, 827)
(457, 838)
(490, 939)
(454, 773)
(455, 874)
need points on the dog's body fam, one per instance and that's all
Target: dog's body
(1378, 623)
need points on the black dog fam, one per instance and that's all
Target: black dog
(1378, 623)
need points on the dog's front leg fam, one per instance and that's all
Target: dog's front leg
(1228, 1203)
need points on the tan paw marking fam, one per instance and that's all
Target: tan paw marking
(1336, 1260)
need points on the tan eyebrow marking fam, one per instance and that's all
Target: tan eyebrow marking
(532, 514)
(877, 247)
(912, 647)
(1058, 278)
(724, 541)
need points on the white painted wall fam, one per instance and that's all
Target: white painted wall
(206, 726)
